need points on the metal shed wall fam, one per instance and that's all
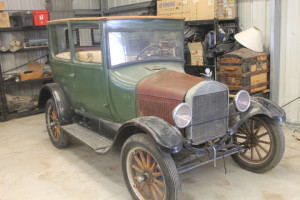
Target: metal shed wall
(117, 3)
(289, 88)
(87, 4)
(256, 13)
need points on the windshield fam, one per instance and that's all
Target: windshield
(136, 46)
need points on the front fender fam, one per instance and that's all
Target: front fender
(258, 106)
(167, 136)
(63, 105)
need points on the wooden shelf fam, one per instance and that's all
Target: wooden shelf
(26, 50)
(13, 83)
(208, 22)
(29, 28)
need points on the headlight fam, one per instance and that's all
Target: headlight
(242, 100)
(182, 115)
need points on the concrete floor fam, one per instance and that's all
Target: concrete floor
(31, 168)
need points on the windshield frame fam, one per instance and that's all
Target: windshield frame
(108, 30)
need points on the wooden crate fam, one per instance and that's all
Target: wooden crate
(244, 69)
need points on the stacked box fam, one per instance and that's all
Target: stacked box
(197, 9)
(196, 51)
(4, 16)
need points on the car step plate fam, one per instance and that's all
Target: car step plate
(97, 142)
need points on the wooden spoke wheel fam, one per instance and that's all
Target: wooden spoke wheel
(145, 175)
(53, 123)
(263, 141)
(149, 172)
(257, 139)
(58, 138)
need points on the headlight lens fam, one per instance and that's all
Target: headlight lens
(242, 100)
(182, 115)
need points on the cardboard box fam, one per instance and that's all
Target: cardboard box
(197, 9)
(196, 51)
(4, 20)
(2, 5)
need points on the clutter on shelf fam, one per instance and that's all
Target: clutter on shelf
(197, 10)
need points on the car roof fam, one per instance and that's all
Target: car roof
(112, 18)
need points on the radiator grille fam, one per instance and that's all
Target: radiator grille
(207, 111)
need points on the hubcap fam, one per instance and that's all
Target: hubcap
(255, 135)
(145, 175)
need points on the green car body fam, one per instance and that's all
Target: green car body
(120, 81)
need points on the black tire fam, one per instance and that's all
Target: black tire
(264, 141)
(58, 138)
(159, 178)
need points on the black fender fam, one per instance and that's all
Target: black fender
(258, 106)
(166, 136)
(63, 105)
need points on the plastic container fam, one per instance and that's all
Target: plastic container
(40, 17)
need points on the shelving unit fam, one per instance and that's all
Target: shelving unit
(214, 23)
(4, 111)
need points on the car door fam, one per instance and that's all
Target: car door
(89, 71)
(60, 59)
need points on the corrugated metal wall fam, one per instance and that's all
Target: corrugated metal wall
(87, 4)
(256, 13)
(116, 3)
(290, 59)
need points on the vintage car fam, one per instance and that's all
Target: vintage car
(120, 82)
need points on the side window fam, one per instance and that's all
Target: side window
(61, 46)
(87, 39)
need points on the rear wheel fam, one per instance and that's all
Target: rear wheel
(264, 142)
(149, 172)
(58, 138)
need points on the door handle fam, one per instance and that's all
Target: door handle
(72, 75)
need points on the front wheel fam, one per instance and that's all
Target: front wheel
(264, 144)
(149, 172)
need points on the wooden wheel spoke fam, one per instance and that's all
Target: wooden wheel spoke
(157, 174)
(137, 169)
(258, 153)
(148, 161)
(158, 182)
(264, 142)
(153, 166)
(148, 192)
(158, 190)
(252, 153)
(241, 136)
(242, 130)
(138, 161)
(263, 134)
(142, 156)
(244, 152)
(247, 127)
(142, 186)
(154, 194)
(252, 126)
(258, 129)
(54, 113)
(262, 148)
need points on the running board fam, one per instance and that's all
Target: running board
(97, 142)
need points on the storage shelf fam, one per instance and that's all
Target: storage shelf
(24, 113)
(208, 22)
(26, 50)
(30, 28)
(13, 83)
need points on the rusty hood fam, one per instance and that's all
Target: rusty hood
(159, 93)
